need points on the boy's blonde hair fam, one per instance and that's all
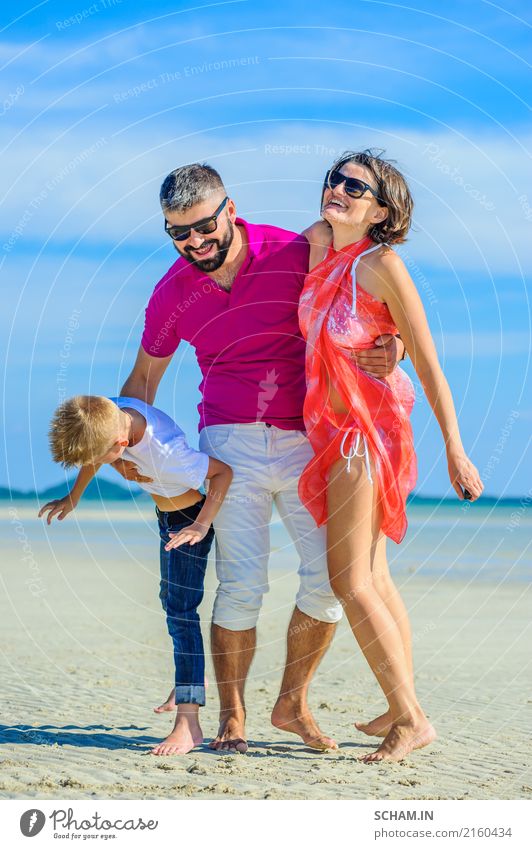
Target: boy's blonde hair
(83, 429)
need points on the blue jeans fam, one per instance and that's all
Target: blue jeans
(182, 576)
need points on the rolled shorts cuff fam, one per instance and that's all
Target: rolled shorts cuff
(324, 611)
(234, 620)
(190, 695)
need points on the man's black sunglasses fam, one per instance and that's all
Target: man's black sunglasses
(353, 187)
(204, 227)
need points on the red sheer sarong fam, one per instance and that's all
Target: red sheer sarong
(334, 322)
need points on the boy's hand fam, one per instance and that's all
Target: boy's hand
(61, 507)
(193, 534)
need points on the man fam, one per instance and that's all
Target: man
(233, 294)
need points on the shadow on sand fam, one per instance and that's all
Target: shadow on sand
(106, 737)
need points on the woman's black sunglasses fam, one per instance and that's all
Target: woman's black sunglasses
(203, 227)
(353, 187)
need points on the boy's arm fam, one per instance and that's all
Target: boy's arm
(85, 475)
(219, 476)
(61, 507)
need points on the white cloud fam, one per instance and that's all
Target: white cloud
(472, 211)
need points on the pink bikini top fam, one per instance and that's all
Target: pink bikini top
(356, 318)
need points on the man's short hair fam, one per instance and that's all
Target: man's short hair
(189, 185)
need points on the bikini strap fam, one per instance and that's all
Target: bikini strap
(354, 277)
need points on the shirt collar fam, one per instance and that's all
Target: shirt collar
(255, 237)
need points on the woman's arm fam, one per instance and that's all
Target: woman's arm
(219, 476)
(394, 285)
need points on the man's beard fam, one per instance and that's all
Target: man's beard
(217, 260)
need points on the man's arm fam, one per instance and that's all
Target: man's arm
(381, 360)
(142, 383)
(144, 380)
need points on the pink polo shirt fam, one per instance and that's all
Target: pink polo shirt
(247, 341)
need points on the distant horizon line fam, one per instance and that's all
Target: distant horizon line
(117, 492)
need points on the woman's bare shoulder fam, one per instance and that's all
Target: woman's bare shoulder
(388, 272)
(386, 261)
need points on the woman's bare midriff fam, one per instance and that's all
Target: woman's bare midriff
(177, 502)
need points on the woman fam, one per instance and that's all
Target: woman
(364, 464)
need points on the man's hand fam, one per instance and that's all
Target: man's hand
(60, 507)
(381, 360)
(129, 471)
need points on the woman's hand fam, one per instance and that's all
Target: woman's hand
(464, 475)
(193, 534)
(129, 471)
(60, 507)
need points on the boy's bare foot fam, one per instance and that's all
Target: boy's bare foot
(231, 735)
(169, 704)
(186, 734)
(291, 716)
(378, 727)
(402, 739)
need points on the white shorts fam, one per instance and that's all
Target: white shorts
(267, 463)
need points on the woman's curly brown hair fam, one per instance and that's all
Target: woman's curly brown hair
(393, 192)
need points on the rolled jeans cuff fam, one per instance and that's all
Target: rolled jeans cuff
(190, 695)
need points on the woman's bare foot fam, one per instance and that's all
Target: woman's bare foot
(169, 704)
(186, 735)
(402, 739)
(378, 727)
(296, 718)
(231, 735)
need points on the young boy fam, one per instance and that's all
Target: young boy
(90, 430)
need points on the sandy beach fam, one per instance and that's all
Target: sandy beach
(86, 656)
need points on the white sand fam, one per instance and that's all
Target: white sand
(85, 661)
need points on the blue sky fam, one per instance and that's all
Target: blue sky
(100, 100)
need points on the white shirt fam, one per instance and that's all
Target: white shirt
(163, 453)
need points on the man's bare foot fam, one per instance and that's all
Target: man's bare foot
(169, 704)
(402, 739)
(186, 735)
(291, 716)
(231, 734)
(378, 727)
